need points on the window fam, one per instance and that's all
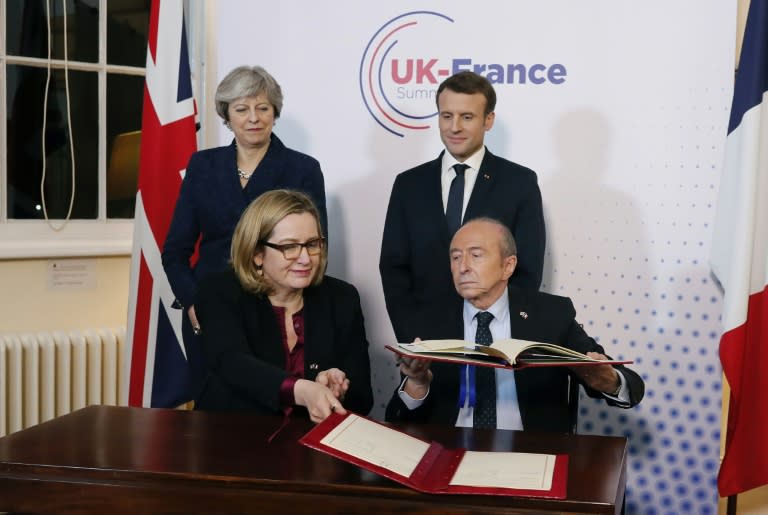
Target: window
(91, 117)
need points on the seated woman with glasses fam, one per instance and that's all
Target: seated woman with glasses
(276, 332)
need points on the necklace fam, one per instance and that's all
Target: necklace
(244, 175)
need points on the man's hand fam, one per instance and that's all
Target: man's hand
(603, 378)
(418, 373)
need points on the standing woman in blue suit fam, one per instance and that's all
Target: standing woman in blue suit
(220, 183)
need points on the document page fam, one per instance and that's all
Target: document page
(507, 350)
(506, 470)
(377, 444)
(513, 349)
(438, 345)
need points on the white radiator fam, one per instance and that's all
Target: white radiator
(48, 374)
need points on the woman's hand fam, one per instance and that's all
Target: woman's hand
(335, 380)
(193, 319)
(318, 399)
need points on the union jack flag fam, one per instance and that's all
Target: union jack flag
(155, 364)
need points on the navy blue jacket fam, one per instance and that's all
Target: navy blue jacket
(211, 201)
(414, 265)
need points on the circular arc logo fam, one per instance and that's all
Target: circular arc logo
(395, 119)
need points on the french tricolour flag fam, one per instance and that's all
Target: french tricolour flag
(155, 357)
(740, 262)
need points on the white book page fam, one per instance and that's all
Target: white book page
(437, 345)
(509, 348)
(518, 470)
(377, 444)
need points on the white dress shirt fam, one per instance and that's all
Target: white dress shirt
(470, 176)
(507, 408)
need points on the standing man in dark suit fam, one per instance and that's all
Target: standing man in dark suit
(429, 202)
(483, 257)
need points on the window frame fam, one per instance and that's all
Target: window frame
(101, 236)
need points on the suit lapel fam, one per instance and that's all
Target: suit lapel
(521, 324)
(433, 198)
(520, 328)
(478, 199)
(225, 166)
(317, 327)
(262, 326)
(456, 325)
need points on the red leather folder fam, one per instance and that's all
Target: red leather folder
(436, 467)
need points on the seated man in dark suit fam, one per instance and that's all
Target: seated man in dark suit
(483, 256)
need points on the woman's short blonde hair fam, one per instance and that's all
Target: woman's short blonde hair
(255, 227)
(247, 81)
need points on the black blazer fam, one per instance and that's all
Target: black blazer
(414, 264)
(542, 392)
(211, 201)
(243, 352)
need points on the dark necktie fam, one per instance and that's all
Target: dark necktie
(455, 199)
(485, 379)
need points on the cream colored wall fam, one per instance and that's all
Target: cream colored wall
(754, 502)
(28, 303)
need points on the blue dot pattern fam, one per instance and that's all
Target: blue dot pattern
(628, 237)
(634, 259)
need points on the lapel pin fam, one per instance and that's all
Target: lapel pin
(313, 366)
(524, 315)
(486, 176)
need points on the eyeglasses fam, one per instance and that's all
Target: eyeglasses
(293, 250)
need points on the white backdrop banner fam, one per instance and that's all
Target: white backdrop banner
(620, 107)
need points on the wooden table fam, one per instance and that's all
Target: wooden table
(113, 460)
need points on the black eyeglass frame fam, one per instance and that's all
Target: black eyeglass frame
(285, 247)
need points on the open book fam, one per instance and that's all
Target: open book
(508, 353)
(429, 467)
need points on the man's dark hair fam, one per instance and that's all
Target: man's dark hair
(469, 83)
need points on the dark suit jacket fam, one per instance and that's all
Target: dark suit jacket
(211, 201)
(414, 264)
(542, 392)
(245, 360)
